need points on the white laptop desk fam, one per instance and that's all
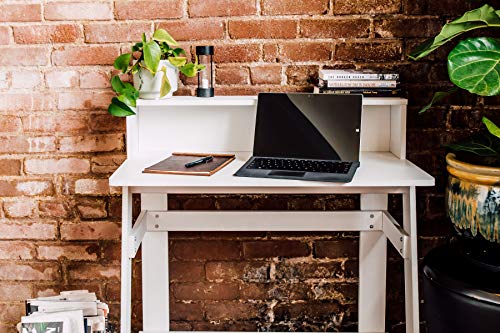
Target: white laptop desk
(226, 124)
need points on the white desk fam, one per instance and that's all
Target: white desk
(161, 127)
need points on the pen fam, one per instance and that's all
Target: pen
(200, 161)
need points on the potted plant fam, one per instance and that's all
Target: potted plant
(473, 192)
(155, 66)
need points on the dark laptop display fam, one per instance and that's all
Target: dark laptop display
(306, 136)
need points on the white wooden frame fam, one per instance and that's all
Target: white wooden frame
(162, 125)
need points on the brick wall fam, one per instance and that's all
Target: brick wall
(60, 221)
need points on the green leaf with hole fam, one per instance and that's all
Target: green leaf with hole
(482, 17)
(165, 83)
(162, 35)
(474, 65)
(119, 109)
(137, 47)
(438, 96)
(152, 55)
(177, 61)
(492, 128)
(178, 51)
(122, 62)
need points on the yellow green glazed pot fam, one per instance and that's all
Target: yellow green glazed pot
(473, 198)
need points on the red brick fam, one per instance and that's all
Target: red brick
(61, 79)
(16, 250)
(53, 209)
(334, 28)
(186, 311)
(106, 164)
(366, 6)
(318, 311)
(233, 311)
(92, 143)
(70, 11)
(20, 12)
(91, 208)
(19, 144)
(278, 248)
(90, 231)
(237, 53)
(56, 166)
(369, 52)
(270, 52)
(10, 188)
(28, 231)
(10, 124)
(205, 291)
(195, 29)
(97, 79)
(263, 29)
(336, 249)
(26, 79)
(85, 55)
(111, 252)
(26, 101)
(92, 186)
(19, 208)
(84, 100)
(24, 56)
(30, 272)
(42, 34)
(149, 10)
(89, 252)
(15, 292)
(398, 27)
(231, 75)
(202, 8)
(10, 167)
(291, 7)
(93, 272)
(247, 271)
(273, 291)
(116, 33)
(4, 35)
(305, 51)
(266, 74)
(209, 250)
(182, 271)
(105, 122)
(11, 313)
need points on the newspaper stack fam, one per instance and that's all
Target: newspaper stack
(76, 311)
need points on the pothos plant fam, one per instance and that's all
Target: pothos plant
(474, 66)
(146, 55)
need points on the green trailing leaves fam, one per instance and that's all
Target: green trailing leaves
(161, 35)
(438, 96)
(165, 83)
(119, 109)
(474, 65)
(492, 128)
(122, 62)
(483, 17)
(191, 69)
(177, 61)
(484, 145)
(152, 55)
(126, 92)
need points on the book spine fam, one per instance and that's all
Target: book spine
(365, 92)
(359, 84)
(361, 76)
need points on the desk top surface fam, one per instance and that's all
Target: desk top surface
(377, 170)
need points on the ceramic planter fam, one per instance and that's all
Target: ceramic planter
(149, 86)
(473, 198)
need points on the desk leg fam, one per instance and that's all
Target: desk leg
(155, 278)
(372, 270)
(126, 269)
(411, 264)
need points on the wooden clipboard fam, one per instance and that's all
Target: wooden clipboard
(175, 164)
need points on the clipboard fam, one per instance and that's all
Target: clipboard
(175, 164)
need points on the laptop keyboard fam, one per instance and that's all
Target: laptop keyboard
(300, 165)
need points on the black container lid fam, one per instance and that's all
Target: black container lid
(205, 50)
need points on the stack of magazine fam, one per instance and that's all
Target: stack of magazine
(76, 311)
(368, 83)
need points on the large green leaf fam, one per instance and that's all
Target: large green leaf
(482, 17)
(119, 86)
(122, 62)
(483, 145)
(165, 83)
(492, 128)
(152, 55)
(474, 65)
(177, 61)
(162, 35)
(119, 109)
(439, 95)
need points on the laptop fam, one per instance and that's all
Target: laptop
(306, 136)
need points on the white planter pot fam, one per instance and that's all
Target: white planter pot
(149, 86)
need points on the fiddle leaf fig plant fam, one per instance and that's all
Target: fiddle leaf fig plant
(473, 65)
(146, 56)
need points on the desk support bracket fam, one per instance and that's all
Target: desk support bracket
(396, 234)
(137, 234)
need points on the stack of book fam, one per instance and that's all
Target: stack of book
(75, 311)
(368, 83)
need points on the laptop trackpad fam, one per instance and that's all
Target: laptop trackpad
(287, 173)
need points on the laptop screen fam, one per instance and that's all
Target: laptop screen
(312, 126)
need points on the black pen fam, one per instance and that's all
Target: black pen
(200, 161)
